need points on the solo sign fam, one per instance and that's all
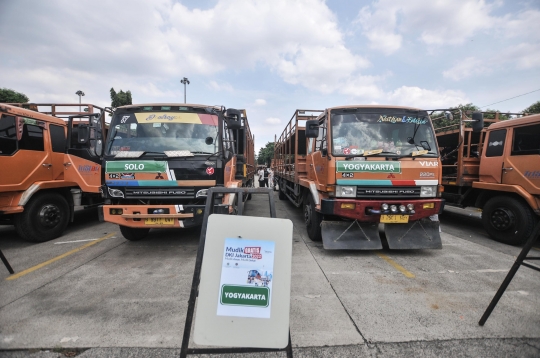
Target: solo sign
(139, 166)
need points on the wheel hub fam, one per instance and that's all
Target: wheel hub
(49, 216)
(502, 219)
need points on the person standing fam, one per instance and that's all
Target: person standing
(260, 174)
(266, 177)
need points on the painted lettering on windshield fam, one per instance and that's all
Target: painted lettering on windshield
(404, 119)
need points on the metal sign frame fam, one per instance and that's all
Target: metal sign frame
(240, 192)
(519, 261)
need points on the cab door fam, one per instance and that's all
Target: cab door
(522, 162)
(57, 134)
(491, 165)
(27, 161)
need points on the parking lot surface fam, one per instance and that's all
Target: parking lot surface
(95, 294)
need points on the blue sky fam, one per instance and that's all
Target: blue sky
(273, 57)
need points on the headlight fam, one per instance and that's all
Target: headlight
(428, 191)
(393, 208)
(402, 208)
(345, 191)
(384, 206)
(115, 193)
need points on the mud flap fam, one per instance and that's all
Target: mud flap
(420, 234)
(350, 235)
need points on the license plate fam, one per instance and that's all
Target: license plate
(159, 221)
(395, 219)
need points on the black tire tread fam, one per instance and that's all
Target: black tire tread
(525, 220)
(27, 226)
(133, 234)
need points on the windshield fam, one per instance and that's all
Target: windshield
(160, 132)
(394, 132)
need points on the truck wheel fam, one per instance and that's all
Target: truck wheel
(133, 234)
(281, 191)
(45, 217)
(313, 220)
(508, 220)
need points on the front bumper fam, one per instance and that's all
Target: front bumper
(137, 216)
(361, 210)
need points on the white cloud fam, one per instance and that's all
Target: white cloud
(260, 102)
(468, 67)
(222, 86)
(272, 121)
(424, 98)
(440, 22)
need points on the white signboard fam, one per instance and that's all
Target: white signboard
(245, 287)
(246, 278)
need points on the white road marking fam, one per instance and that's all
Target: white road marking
(69, 339)
(491, 270)
(69, 242)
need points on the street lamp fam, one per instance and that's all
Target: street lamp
(185, 81)
(80, 94)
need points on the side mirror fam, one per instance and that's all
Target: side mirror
(232, 124)
(478, 124)
(312, 128)
(209, 140)
(83, 134)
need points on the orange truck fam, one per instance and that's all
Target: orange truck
(50, 163)
(161, 159)
(493, 167)
(354, 167)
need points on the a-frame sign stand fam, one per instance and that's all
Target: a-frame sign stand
(5, 261)
(209, 209)
(519, 261)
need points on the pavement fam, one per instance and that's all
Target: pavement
(117, 298)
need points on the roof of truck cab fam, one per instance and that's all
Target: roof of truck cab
(533, 118)
(22, 112)
(169, 105)
(376, 106)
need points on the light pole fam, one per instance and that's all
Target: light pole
(185, 81)
(80, 94)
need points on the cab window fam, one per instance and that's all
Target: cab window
(495, 143)
(526, 140)
(8, 135)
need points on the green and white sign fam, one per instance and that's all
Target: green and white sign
(137, 166)
(246, 278)
(245, 283)
(368, 167)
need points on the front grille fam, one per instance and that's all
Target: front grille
(169, 193)
(388, 192)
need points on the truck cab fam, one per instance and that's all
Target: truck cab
(49, 165)
(161, 159)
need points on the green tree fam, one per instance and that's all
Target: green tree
(266, 154)
(440, 120)
(10, 96)
(120, 99)
(533, 108)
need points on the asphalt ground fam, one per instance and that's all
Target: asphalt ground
(109, 297)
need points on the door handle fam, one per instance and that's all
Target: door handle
(509, 168)
(47, 165)
(67, 164)
(311, 165)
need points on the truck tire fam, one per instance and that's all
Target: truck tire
(508, 220)
(312, 219)
(281, 192)
(45, 217)
(133, 234)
